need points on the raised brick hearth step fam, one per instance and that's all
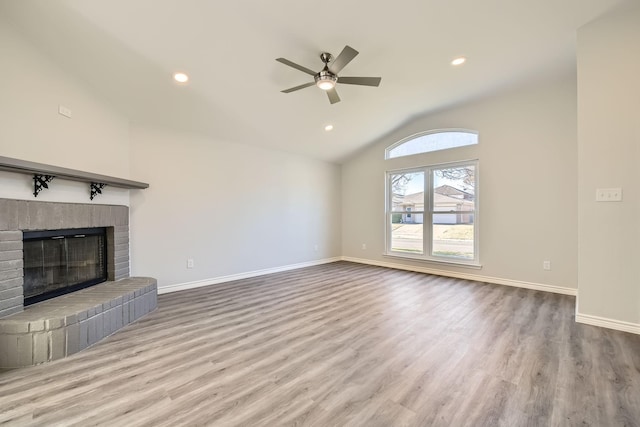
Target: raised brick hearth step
(62, 326)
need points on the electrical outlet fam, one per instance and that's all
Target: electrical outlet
(190, 263)
(546, 265)
(64, 111)
(364, 246)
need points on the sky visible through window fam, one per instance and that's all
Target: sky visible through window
(433, 141)
(415, 184)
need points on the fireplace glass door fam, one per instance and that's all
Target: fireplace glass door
(62, 261)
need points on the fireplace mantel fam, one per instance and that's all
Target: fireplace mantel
(40, 169)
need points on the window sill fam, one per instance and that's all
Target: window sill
(472, 265)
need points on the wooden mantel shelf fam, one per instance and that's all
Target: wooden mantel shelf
(32, 168)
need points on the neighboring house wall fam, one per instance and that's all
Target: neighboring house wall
(442, 203)
(410, 203)
(518, 129)
(609, 156)
(412, 218)
(452, 218)
(456, 202)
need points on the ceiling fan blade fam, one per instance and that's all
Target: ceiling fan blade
(293, 89)
(347, 54)
(333, 96)
(296, 66)
(363, 81)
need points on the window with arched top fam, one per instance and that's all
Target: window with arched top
(433, 140)
(432, 210)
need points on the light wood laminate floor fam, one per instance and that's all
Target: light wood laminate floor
(342, 344)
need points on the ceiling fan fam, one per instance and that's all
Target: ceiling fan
(327, 78)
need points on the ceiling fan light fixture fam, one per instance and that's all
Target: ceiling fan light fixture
(326, 84)
(326, 80)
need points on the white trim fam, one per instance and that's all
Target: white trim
(466, 276)
(475, 277)
(221, 279)
(604, 322)
(421, 258)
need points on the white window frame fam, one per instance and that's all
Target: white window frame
(427, 229)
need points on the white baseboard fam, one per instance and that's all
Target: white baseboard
(221, 279)
(604, 322)
(467, 276)
(508, 282)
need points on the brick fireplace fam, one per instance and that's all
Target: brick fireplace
(17, 216)
(70, 322)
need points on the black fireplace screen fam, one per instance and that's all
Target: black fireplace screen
(57, 262)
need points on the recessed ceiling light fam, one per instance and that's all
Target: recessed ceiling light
(328, 128)
(459, 61)
(181, 77)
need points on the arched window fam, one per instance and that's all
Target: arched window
(434, 140)
(432, 209)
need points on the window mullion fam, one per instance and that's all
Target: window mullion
(389, 214)
(426, 223)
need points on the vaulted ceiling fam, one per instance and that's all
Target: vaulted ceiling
(127, 51)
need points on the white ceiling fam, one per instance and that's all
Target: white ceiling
(127, 50)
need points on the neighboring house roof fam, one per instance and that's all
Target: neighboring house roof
(412, 199)
(442, 200)
(448, 190)
(439, 200)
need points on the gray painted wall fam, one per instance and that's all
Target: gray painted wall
(232, 208)
(95, 139)
(528, 181)
(609, 156)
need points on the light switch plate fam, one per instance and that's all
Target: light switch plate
(609, 195)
